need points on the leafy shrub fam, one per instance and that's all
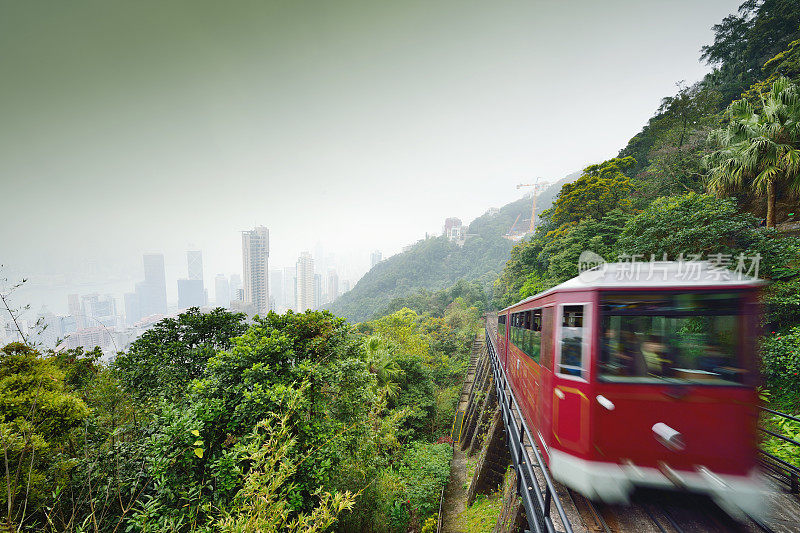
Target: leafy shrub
(426, 468)
(782, 304)
(779, 447)
(692, 223)
(780, 356)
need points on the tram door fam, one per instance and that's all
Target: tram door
(570, 381)
(544, 403)
(501, 340)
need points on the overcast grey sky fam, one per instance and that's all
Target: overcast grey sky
(148, 126)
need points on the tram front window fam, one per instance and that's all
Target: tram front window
(675, 337)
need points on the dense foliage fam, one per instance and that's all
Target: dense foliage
(295, 422)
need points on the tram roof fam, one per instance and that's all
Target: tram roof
(654, 275)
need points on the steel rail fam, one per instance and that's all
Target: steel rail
(537, 505)
(776, 464)
(782, 437)
(784, 415)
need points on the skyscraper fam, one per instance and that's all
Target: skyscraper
(222, 291)
(255, 268)
(75, 310)
(132, 312)
(317, 291)
(102, 309)
(276, 289)
(152, 292)
(190, 293)
(305, 282)
(194, 260)
(236, 286)
(289, 287)
(333, 285)
(375, 258)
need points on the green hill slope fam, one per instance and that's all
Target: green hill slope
(436, 263)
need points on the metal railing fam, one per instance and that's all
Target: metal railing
(538, 502)
(788, 471)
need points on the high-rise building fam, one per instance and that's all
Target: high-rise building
(236, 286)
(319, 257)
(97, 308)
(345, 286)
(289, 287)
(255, 268)
(47, 329)
(194, 261)
(132, 312)
(190, 293)
(222, 291)
(276, 289)
(333, 285)
(375, 258)
(317, 291)
(152, 291)
(305, 283)
(454, 230)
(74, 307)
(68, 325)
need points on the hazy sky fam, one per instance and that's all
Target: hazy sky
(151, 126)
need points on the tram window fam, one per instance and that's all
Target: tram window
(533, 346)
(514, 328)
(673, 337)
(572, 340)
(526, 332)
(547, 338)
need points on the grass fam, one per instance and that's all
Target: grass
(783, 401)
(787, 403)
(472, 462)
(482, 516)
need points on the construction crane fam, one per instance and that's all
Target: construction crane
(537, 188)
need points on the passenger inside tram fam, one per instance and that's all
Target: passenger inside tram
(647, 338)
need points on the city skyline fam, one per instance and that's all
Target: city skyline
(290, 122)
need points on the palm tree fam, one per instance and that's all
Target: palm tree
(760, 149)
(381, 363)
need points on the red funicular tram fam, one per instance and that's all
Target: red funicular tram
(641, 375)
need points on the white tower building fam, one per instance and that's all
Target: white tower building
(255, 268)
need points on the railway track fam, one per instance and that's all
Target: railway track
(664, 512)
(651, 511)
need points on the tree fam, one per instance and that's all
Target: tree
(381, 363)
(743, 42)
(784, 64)
(262, 502)
(37, 422)
(760, 149)
(692, 223)
(684, 121)
(601, 189)
(168, 356)
(562, 253)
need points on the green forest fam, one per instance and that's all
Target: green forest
(310, 422)
(296, 422)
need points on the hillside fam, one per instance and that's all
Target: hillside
(435, 263)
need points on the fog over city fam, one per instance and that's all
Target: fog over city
(343, 127)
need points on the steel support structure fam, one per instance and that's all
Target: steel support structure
(538, 501)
